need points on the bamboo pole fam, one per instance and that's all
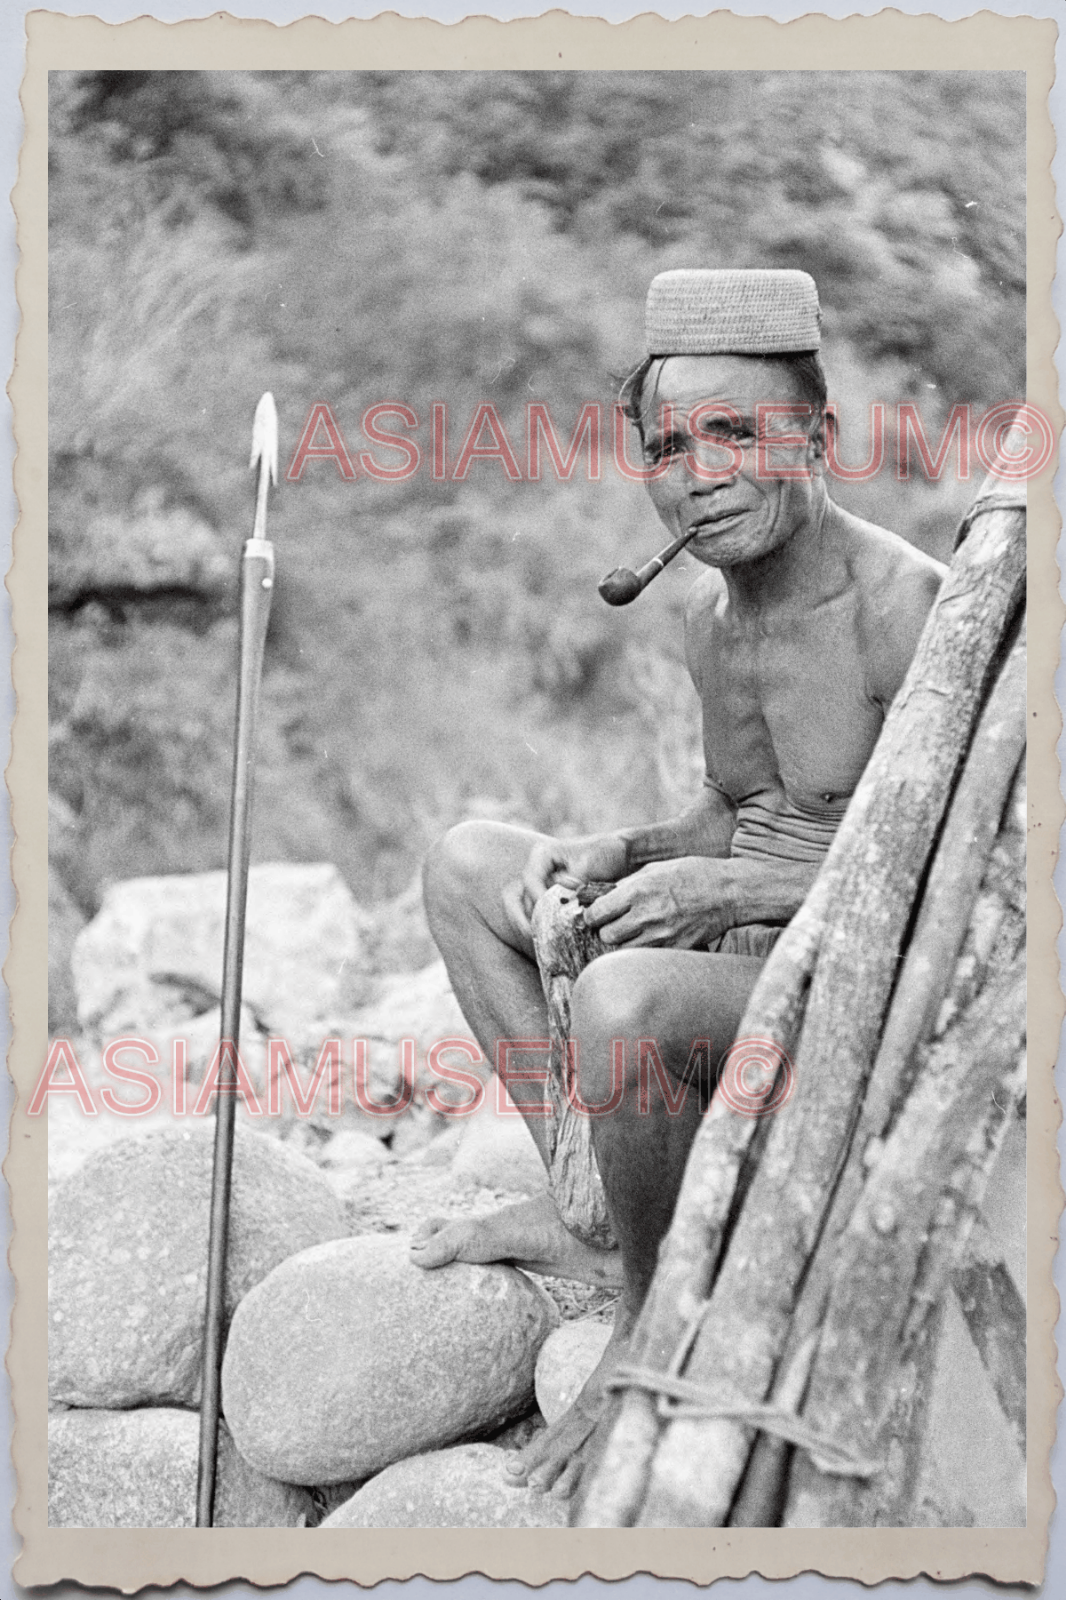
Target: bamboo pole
(931, 1172)
(855, 1380)
(993, 772)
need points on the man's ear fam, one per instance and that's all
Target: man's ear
(816, 441)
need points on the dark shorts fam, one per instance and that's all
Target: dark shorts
(754, 939)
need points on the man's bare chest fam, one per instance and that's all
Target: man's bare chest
(787, 714)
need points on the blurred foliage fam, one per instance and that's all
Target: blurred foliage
(438, 649)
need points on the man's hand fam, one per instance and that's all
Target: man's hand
(683, 903)
(572, 862)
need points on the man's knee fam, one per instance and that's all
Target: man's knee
(616, 998)
(455, 868)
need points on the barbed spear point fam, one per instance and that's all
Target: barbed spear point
(265, 453)
(265, 435)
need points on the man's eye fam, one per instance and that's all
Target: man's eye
(726, 436)
(658, 450)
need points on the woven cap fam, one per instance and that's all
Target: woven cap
(739, 311)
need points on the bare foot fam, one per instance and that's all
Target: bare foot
(555, 1458)
(530, 1234)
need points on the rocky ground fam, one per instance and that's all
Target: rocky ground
(374, 1370)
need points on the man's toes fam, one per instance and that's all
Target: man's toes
(569, 1478)
(545, 1476)
(436, 1249)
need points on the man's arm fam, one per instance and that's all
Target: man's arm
(688, 902)
(705, 829)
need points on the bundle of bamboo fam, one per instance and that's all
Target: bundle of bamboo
(779, 1370)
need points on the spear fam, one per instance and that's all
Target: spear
(256, 589)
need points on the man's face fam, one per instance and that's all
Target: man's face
(747, 510)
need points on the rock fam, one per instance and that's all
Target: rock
(415, 1133)
(350, 1149)
(156, 947)
(566, 1361)
(351, 1159)
(462, 1488)
(348, 1358)
(400, 940)
(439, 1151)
(201, 1035)
(137, 1469)
(65, 921)
(128, 1258)
(411, 1005)
(496, 1149)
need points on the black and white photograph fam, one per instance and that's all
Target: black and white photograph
(537, 799)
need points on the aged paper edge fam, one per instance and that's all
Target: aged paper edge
(129, 1559)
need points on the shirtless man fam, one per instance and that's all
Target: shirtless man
(798, 637)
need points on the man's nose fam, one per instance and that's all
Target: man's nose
(708, 465)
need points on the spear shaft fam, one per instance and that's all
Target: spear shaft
(256, 592)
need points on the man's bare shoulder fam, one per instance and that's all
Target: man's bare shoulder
(895, 584)
(703, 604)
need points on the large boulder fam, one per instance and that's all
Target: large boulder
(400, 940)
(462, 1488)
(128, 1258)
(348, 1358)
(418, 1006)
(155, 948)
(137, 1469)
(565, 1364)
(496, 1150)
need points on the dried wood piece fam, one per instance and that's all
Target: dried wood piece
(564, 947)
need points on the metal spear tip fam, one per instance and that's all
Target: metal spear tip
(265, 436)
